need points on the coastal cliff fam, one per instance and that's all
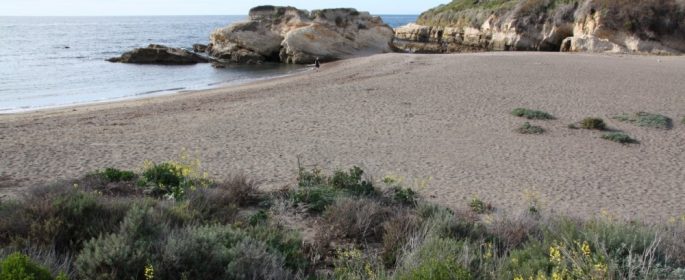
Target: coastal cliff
(290, 35)
(615, 26)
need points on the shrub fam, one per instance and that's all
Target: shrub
(683, 120)
(646, 120)
(316, 198)
(437, 269)
(435, 258)
(287, 243)
(259, 218)
(19, 267)
(593, 123)
(212, 205)
(532, 114)
(112, 256)
(252, 260)
(114, 175)
(352, 182)
(360, 219)
(63, 217)
(352, 263)
(480, 207)
(405, 196)
(121, 255)
(173, 178)
(528, 128)
(241, 190)
(199, 252)
(530, 261)
(396, 232)
(619, 138)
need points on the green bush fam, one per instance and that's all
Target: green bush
(316, 198)
(253, 260)
(619, 137)
(530, 261)
(287, 243)
(198, 252)
(225, 252)
(121, 255)
(480, 207)
(259, 218)
(593, 123)
(645, 119)
(532, 114)
(19, 267)
(436, 258)
(528, 128)
(172, 179)
(112, 256)
(114, 175)
(438, 269)
(405, 196)
(352, 182)
(64, 218)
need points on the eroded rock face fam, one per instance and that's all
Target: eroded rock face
(289, 35)
(528, 25)
(159, 54)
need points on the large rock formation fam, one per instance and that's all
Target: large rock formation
(655, 26)
(158, 54)
(289, 35)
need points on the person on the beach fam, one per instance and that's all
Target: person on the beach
(317, 64)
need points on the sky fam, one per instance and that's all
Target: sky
(197, 7)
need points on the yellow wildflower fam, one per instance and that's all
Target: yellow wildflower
(586, 249)
(518, 278)
(555, 254)
(600, 267)
(149, 272)
(369, 271)
(556, 276)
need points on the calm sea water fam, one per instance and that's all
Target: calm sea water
(59, 61)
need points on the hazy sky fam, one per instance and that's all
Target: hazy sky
(197, 7)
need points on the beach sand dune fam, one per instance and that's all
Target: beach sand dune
(443, 117)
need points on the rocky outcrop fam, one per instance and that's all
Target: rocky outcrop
(290, 35)
(158, 54)
(200, 48)
(548, 25)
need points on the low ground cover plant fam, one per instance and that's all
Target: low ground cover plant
(593, 123)
(619, 137)
(347, 228)
(645, 119)
(528, 128)
(532, 114)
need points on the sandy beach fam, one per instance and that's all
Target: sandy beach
(444, 119)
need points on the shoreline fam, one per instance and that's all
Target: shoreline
(417, 116)
(147, 95)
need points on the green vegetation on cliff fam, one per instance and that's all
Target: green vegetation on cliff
(461, 13)
(646, 19)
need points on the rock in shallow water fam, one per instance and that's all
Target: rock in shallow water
(159, 54)
(290, 35)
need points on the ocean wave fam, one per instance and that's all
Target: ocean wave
(158, 91)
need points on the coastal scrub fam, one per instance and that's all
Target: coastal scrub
(532, 114)
(645, 119)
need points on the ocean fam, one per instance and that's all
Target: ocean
(60, 61)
